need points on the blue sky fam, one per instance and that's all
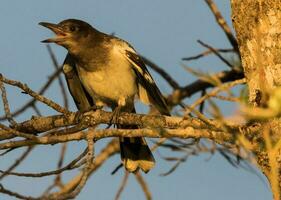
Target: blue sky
(164, 31)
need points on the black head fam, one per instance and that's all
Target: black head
(69, 33)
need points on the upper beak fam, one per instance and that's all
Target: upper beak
(60, 34)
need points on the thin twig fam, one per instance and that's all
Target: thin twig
(70, 166)
(158, 143)
(224, 98)
(161, 72)
(225, 76)
(61, 84)
(199, 115)
(36, 109)
(6, 103)
(17, 162)
(41, 91)
(70, 188)
(176, 165)
(15, 194)
(85, 173)
(221, 21)
(216, 53)
(35, 95)
(143, 185)
(202, 105)
(57, 181)
(207, 52)
(62, 155)
(216, 90)
(122, 185)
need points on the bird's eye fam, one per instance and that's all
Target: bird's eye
(72, 28)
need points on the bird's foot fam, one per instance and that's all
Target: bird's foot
(115, 117)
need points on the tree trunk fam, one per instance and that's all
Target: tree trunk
(258, 27)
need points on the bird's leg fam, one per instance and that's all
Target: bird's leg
(121, 104)
(115, 115)
(114, 118)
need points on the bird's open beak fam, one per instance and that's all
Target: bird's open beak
(60, 34)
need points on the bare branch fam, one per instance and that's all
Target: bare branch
(92, 118)
(12, 132)
(221, 21)
(16, 163)
(199, 85)
(6, 103)
(15, 194)
(162, 72)
(110, 149)
(216, 53)
(61, 84)
(143, 185)
(207, 52)
(215, 91)
(188, 132)
(38, 97)
(72, 165)
(41, 91)
(122, 185)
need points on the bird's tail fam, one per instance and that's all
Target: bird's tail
(135, 154)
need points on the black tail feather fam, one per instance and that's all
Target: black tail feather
(135, 154)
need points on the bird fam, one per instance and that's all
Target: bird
(112, 74)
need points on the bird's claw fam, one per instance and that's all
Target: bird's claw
(115, 117)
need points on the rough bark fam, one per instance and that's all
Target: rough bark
(258, 28)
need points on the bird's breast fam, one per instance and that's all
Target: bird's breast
(111, 82)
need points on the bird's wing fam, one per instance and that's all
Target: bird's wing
(80, 96)
(148, 91)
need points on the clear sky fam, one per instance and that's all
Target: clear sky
(162, 30)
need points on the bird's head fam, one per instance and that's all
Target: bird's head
(70, 33)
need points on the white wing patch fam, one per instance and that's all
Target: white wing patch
(124, 47)
(147, 90)
(148, 78)
(140, 70)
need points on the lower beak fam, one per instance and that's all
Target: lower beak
(60, 34)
